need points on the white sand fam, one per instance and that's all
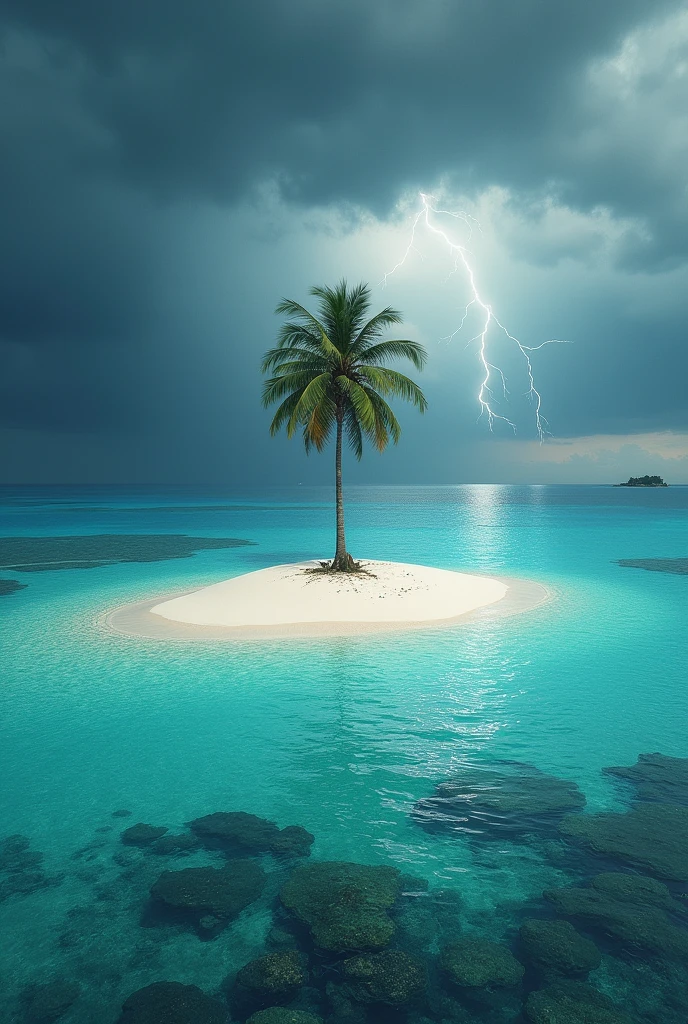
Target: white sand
(287, 601)
(286, 594)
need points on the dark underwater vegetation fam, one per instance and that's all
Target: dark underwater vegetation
(676, 566)
(46, 554)
(10, 587)
(349, 943)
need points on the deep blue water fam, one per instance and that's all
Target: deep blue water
(342, 736)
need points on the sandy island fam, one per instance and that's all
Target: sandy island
(289, 601)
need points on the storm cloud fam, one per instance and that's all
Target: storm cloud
(171, 169)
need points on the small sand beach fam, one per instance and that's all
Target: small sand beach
(292, 601)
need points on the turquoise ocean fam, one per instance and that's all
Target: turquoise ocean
(342, 736)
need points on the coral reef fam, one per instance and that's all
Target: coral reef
(235, 829)
(571, 1002)
(21, 868)
(46, 554)
(518, 799)
(172, 1003)
(8, 587)
(479, 963)
(656, 777)
(556, 948)
(391, 977)
(652, 837)
(48, 1001)
(238, 831)
(142, 835)
(210, 897)
(619, 909)
(282, 1015)
(272, 980)
(292, 841)
(169, 845)
(344, 905)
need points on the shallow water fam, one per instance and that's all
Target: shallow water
(341, 736)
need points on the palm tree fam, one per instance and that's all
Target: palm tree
(329, 373)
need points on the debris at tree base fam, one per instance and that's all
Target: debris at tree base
(352, 568)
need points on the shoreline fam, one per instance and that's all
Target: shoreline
(490, 599)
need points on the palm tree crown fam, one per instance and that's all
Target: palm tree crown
(329, 373)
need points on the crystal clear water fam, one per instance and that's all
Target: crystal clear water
(342, 736)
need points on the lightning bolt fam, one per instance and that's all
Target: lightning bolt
(460, 255)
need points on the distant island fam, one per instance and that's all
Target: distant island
(644, 481)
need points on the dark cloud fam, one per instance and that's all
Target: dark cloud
(118, 120)
(341, 101)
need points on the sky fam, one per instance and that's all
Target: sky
(170, 170)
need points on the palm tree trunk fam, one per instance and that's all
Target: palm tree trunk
(343, 562)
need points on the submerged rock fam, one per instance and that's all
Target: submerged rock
(22, 868)
(446, 907)
(169, 1002)
(516, 799)
(344, 905)
(210, 897)
(342, 1008)
(172, 844)
(16, 855)
(283, 1015)
(657, 777)
(48, 1001)
(478, 963)
(47, 554)
(121, 813)
(8, 587)
(391, 977)
(634, 889)
(292, 841)
(235, 829)
(621, 909)
(271, 980)
(572, 1002)
(238, 830)
(142, 835)
(416, 923)
(278, 939)
(653, 837)
(556, 948)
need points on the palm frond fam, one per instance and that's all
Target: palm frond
(391, 382)
(354, 436)
(291, 335)
(277, 387)
(367, 416)
(359, 401)
(284, 412)
(314, 392)
(385, 415)
(375, 326)
(317, 430)
(343, 311)
(314, 327)
(303, 348)
(395, 349)
(299, 366)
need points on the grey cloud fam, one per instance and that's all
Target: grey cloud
(340, 102)
(118, 119)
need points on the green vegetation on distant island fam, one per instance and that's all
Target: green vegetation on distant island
(330, 374)
(644, 481)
